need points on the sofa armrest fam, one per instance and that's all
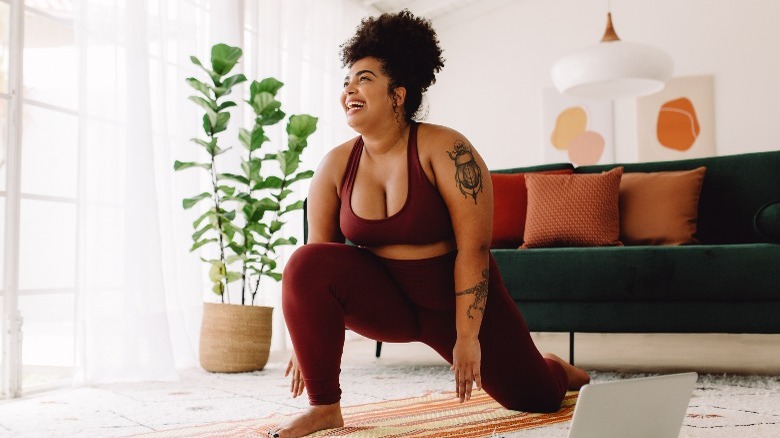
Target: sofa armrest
(766, 222)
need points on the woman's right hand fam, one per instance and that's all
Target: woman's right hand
(296, 379)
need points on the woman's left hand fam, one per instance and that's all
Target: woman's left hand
(296, 378)
(466, 360)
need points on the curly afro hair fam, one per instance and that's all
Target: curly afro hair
(407, 48)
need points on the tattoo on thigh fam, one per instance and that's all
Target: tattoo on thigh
(480, 292)
(468, 175)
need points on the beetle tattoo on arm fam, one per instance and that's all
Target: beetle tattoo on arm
(480, 292)
(468, 175)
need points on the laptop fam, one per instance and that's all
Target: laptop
(648, 407)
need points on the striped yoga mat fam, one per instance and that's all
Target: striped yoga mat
(432, 415)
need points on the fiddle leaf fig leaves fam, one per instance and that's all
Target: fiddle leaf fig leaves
(267, 85)
(200, 86)
(250, 196)
(224, 58)
(302, 125)
(190, 202)
(233, 80)
(179, 165)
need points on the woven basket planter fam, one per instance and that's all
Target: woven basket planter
(235, 339)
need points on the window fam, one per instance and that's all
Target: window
(44, 242)
(5, 53)
(48, 197)
(64, 185)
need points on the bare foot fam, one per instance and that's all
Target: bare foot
(316, 418)
(577, 377)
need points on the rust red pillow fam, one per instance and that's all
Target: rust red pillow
(573, 210)
(510, 202)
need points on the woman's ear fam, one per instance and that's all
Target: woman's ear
(399, 95)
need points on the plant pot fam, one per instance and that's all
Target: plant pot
(235, 339)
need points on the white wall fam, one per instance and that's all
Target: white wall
(499, 62)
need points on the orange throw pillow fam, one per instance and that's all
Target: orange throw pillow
(573, 210)
(660, 208)
(510, 202)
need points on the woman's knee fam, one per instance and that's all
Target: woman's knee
(310, 259)
(315, 264)
(541, 403)
(521, 389)
(301, 266)
(299, 259)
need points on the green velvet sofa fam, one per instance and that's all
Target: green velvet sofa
(727, 283)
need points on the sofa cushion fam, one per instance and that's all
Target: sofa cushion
(573, 210)
(660, 208)
(734, 188)
(510, 202)
(643, 273)
(767, 222)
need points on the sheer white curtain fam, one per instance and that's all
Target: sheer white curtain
(298, 43)
(140, 291)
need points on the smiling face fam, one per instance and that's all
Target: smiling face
(365, 99)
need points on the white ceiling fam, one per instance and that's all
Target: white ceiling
(441, 12)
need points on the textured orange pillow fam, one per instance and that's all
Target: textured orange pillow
(573, 210)
(510, 202)
(660, 208)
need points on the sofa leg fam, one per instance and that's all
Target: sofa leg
(378, 348)
(571, 348)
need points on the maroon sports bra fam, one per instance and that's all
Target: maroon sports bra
(423, 219)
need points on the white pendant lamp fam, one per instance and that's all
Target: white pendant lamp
(612, 69)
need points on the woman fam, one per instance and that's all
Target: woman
(416, 200)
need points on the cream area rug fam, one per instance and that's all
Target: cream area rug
(721, 406)
(234, 405)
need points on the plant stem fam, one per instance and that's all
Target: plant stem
(268, 241)
(219, 221)
(257, 286)
(243, 281)
(245, 231)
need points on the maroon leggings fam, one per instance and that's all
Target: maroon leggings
(330, 286)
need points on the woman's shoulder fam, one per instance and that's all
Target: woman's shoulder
(335, 161)
(438, 137)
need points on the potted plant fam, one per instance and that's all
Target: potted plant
(243, 211)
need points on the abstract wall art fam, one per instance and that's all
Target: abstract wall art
(576, 130)
(678, 121)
